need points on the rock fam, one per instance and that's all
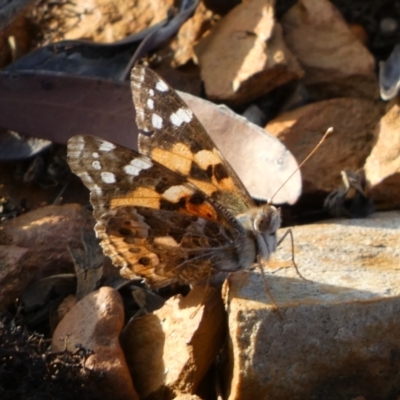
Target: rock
(171, 350)
(339, 331)
(382, 167)
(336, 63)
(95, 323)
(353, 120)
(12, 280)
(360, 33)
(45, 235)
(47, 232)
(180, 50)
(100, 20)
(244, 56)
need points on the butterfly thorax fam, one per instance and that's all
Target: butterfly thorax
(261, 224)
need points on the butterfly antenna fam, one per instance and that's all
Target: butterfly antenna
(327, 133)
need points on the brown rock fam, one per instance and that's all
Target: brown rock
(338, 331)
(12, 280)
(171, 351)
(336, 63)
(46, 233)
(181, 48)
(382, 167)
(95, 322)
(99, 20)
(244, 56)
(143, 343)
(353, 121)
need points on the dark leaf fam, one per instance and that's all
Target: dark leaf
(14, 146)
(101, 60)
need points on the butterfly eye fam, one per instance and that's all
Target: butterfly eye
(262, 221)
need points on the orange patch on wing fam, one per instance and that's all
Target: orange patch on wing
(225, 184)
(206, 187)
(141, 196)
(205, 159)
(178, 159)
(203, 210)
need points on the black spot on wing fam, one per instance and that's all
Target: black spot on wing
(220, 172)
(197, 198)
(144, 261)
(170, 206)
(162, 185)
(125, 232)
(210, 172)
(197, 173)
(195, 146)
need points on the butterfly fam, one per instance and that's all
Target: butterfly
(176, 212)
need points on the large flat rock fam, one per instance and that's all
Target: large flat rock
(338, 336)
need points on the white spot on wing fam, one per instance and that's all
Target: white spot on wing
(150, 104)
(181, 116)
(151, 92)
(161, 86)
(108, 177)
(136, 165)
(95, 155)
(96, 165)
(106, 146)
(156, 121)
(175, 193)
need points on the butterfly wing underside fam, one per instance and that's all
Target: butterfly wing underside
(152, 222)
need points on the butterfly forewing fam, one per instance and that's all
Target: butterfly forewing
(176, 139)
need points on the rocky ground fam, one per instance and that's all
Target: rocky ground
(72, 326)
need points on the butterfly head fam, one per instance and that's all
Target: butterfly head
(267, 219)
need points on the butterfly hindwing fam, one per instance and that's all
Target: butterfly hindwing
(176, 139)
(166, 247)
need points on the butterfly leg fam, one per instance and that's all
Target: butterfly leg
(289, 232)
(203, 300)
(259, 262)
